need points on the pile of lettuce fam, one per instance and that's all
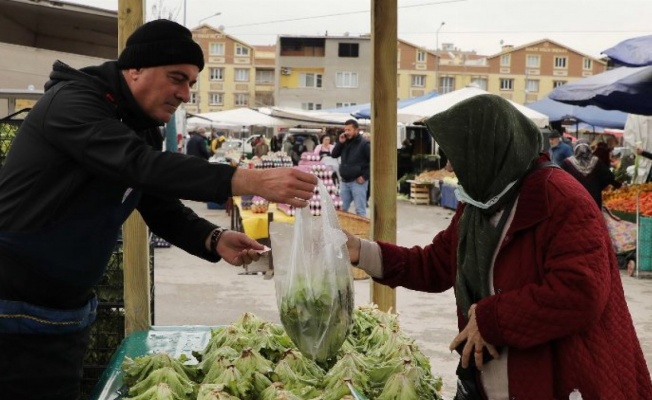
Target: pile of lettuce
(256, 360)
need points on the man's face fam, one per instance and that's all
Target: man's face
(350, 131)
(553, 141)
(160, 90)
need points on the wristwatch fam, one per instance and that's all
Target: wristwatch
(215, 238)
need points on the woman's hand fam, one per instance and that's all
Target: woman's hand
(474, 342)
(353, 245)
(237, 249)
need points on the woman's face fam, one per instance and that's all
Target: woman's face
(326, 140)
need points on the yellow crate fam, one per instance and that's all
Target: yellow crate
(358, 226)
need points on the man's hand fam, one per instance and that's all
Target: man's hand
(353, 245)
(474, 342)
(342, 138)
(278, 185)
(360, 180)
(237, 249)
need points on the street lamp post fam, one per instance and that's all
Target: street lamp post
(210, 16)
(437, 56)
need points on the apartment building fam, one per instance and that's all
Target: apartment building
(416, 70)
(228, 79)
(529, 72)
(319, 72)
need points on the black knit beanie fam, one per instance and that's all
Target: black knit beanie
(161, 42)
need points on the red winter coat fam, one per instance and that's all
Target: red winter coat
(559, 303)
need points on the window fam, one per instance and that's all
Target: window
(505, 60)
(241, 75)
(348, 50)
(310, 80)
(507, 84)
(310, 106)
(531, 85)
(446, 84)
(561, 62)
(338, 105)
(532, 61)
(216, 99)
(346, 79)
(265, 76)
(558, 83)
(216, 49)
(421, 56)
(217, 74)
(418, 80)
(587, 63)
(241, 50)
(480, 82)
(193, 98)
(241, 99)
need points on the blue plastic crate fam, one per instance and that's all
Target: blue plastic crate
(447, 197)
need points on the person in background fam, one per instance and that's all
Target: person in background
(309, 144)
(324, 148)
(276, 143)
(589, 171)
(559, 150)
(261, 148)
(217, 142)
(197, 144)
(355, 157)
(86, 156)
(541, 307)
(640, 152)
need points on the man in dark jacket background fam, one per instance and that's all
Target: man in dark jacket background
(86, 156)
(355, 155)
(197, 144)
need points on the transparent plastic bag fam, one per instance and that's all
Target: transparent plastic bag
(314, 284)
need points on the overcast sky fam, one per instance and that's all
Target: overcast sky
(588, 26)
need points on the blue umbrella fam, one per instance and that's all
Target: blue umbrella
(627, 89)
(634, 52)
(592, 115)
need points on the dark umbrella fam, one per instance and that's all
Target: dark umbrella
(557, 111)
(634, 52)
(627, 89)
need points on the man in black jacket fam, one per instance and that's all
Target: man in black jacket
(86, 156)
(355, 154)
(197, 144)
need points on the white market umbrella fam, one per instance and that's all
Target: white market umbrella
(422, 110)
(238, 117)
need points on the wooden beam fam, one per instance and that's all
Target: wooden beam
(134, 232)
(383, 127)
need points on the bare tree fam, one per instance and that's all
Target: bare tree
(161, 10)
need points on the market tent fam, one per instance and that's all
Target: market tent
(419, 111)
(625, 89)
(364, 110)
(237, 118)
(592, 115)
(309, 118)
(634, 52)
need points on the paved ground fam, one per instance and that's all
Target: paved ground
(190, 291)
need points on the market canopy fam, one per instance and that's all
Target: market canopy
(236, 119)
(591, 115)
(364, 110)
(422, 110)
(627, 89)
(634, 52)
(310, 118)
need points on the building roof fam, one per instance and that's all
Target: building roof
(60, 26)
(511, 49)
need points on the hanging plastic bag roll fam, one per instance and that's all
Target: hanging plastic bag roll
(314, 284)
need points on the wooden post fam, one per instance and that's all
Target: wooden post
(135, 237)
(383, 142)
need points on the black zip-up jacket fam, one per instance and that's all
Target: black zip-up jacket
(355, 158)
(83, 159)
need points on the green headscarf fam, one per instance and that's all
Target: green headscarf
(491, 146)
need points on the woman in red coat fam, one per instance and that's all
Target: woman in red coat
(541, 308)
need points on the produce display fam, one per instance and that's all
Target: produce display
(254, 359)
(259, 205)
(325, 174)
(433, 176)
(624, 199)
